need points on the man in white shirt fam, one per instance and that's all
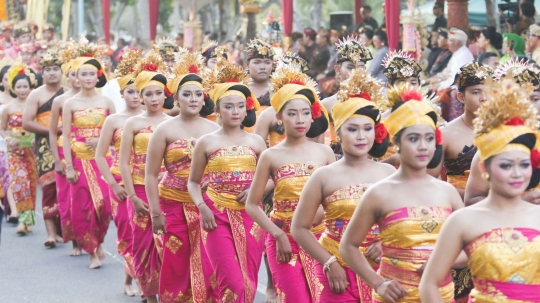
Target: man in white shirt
(461, 55)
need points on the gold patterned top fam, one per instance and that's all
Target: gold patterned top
(289, 181)
(230, 172)
(173, 186)
(274, 138)
(502, 265)
(338, 209)
(140, 147)
(117, 138)
(86, 124)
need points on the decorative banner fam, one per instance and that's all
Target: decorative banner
(66, 13)
(3, 11)
(153, 14)
(357, 7)
(392, 12)
(106, 11)
(287, 10)
(36, 11)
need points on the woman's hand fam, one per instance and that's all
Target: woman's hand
(337, 278)
(119, 192)
(158, 224)
(391, 291)
(13, 144)
(208, 218)
(242, 197)
(160, 176)
(91, 143)
(72, 175)
(60, 168)
(319, 217)
(283, 249)
(141, 208)
(374, 252)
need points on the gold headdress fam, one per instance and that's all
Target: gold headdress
(150, 71)
(506, 115)
(167, 48)
(212, 49)
(67, 55)
(257, 48)
(19, 68)
(472, 74)
(399, 65)
(289, 58)
(126, 67)
(187, 64)
(351, 49)
(50, 59)
(511, 66)
(88, 56)
(21, 29)
(529, 76)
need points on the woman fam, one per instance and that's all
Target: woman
(490, 41)
(82, 119)
(232, 240)
(381, 48)
(146, 249)
(504, 239)
(186, 268)
(211, 52)
(338, 187)
(6, 97)
(290, 164)
(20, 155)
(409, 225)
(111, 134)
(513, 45)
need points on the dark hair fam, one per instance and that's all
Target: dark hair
(528, 9)
(437, 156)
(103, 79)
(21, 77)
(251, 116)
(208, 106)
(439, 5)
(484, 56)
(369, 32)
(382, 35)
(493, 36)
(3, 72)
(169, 100)
(312, 34)
(319, 125)
(367, 8)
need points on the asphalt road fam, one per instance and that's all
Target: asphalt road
(29, 272)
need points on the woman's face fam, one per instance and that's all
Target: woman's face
(346, 67)
(22, 88)
(131, 96)
(5, 82)
(190, 99)
(510, 173)
(417, 146)
(535, 99)
(377, 42)
(482, 42)
(232, 110)
(296, 117)
(73, 81)
(87, 76)
(357, 136)
(211, 63)
(153, 97)
(260, 69)
(107, 62)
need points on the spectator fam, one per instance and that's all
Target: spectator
(296, 39)
(335, 35)
(306, 45)
(438, 11)
(380, 42)
(490, 59)
(490, 41)
(366, 17)
(320, 57)
(366, 37)
(533, 42)
(526, 18)
(513, 45)
(444, 54)
(180, 39)
(48, 32)
(232, 55)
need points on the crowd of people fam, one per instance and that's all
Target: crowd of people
(209, 169)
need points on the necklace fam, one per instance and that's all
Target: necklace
(466, 123)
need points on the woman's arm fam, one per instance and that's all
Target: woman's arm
(4, 123)
(71, 174)
(477, 188)
(105, 139)
(262, 127)
(448, 247)
(196, 173)
(154, 158)
(53, 135)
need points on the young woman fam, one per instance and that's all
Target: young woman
(6, 97)
(146, 249)
(290, 164)
(229, 155)
(186, 269)
(20, 155)
(83, 116)
(503, 242)
(339, 186)
(56, 141)
(408, 225)
(111, 134)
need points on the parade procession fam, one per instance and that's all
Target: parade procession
(293, 151)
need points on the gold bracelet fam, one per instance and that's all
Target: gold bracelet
(161, 214)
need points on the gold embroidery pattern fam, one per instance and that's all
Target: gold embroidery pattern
(256, 232)
(93, 186)
(168, 296)
(239, 237)
(229, 296)
(213, 281)
(315, 286)
(141, 222)
(121, 247)
(280, 293)
(173, 244)
(197, 274)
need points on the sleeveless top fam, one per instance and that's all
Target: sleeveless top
(86, 124)
(177, 161)
(140, 147)
(117, 138)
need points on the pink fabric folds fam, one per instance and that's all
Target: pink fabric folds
(90, 205)
(351, 294)
(235, 251)
(186, 272)
(124, 232)
(146, 248)
(63, 196)
(509, 291)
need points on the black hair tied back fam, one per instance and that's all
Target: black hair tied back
(319, 125)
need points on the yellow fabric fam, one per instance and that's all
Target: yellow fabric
(342, 111)
(44, 119)
(497, 140)
(230, 170)
(221, 90)
(289, 181)
(287, 93)
(144, 80)
(333, 133)
(87, 65)
(409, 114)
(66, 67)
(274, 138)
(87, 124)
(140, 147)
(174, 84)
(458, 181)
(117, 139)
(123, 81)
(178, 163)
(233, 93)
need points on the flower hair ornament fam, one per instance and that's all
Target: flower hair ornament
(508, 122)
(126, 67)
(19, 68)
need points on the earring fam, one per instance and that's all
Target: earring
(217, 114)
(485, 176)
(338, 139)
(279, 122)
(397, 149)
(312, 120)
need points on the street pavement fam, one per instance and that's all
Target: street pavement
(29, 272)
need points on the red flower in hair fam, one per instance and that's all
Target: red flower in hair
(88, 55)
(535, 159)
(150, 67)
(250, 103)
(99, 73)
(438, 136)
(362, 95)
(21, 72)
(516, 121)
(193, 69)
(296, 81)
(411, 95)
(167, 92)
(205, 95)
(232, 80)
(316, 110)
(380, 133)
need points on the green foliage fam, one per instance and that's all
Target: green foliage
(55, 13)
(166, 9)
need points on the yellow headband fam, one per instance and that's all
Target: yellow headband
(123, 82)
(498, 140)
(174, 84)
(144, 79)
(287, 93)
(343, 111)
(233, 93)
(66, 67)
(408, 114)
(222, 90)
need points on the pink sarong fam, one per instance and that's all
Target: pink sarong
(124, 232)
(146, 248)
(186, 273)
(352, 291)
(235, 251)
(90, 205)
(63, 196)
